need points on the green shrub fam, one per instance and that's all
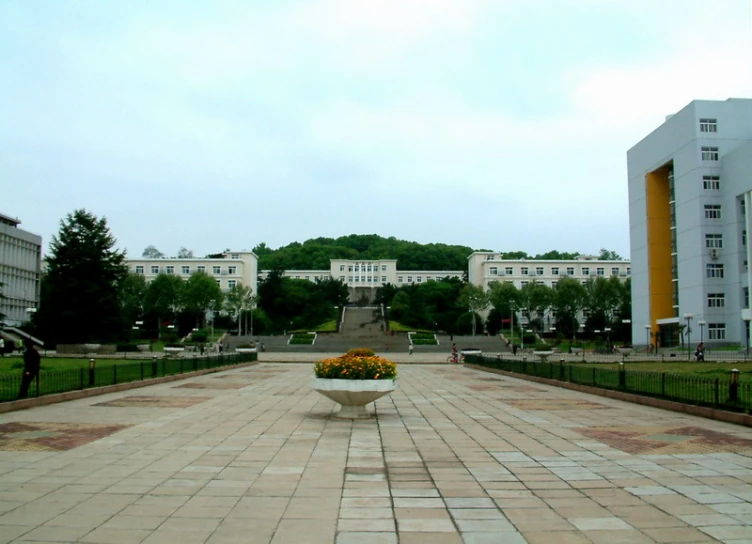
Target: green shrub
(424, 341)
(126, 347)
(199, 336)
(530, 338)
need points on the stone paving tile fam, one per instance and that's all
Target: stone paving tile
(455, 456)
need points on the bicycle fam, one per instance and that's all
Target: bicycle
(458, 358)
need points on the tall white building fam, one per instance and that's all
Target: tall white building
(689, 186)
(20, 269)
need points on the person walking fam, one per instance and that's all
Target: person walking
(2, 347)
(32, 362)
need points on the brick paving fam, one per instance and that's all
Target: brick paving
(454, 455)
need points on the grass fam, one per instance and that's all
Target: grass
(15, 364)
(396, 326)
(329, 326)
(680, 367)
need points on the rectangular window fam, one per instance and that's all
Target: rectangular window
(553, 284)
(235, 256)
(708, 125)
(155, 270)
(716, 331)
(342, 268)
(555, 270)
(524, 283)
(349, 279)
(524, 270)
(383, 268)
(714, 241)
(709, 153)
(629, 271)
(383, 279)
(711, 183)
(308, 278)
(614, 271)
(494, 271)
(232, 269)
(215, 270)
(342, 279)
(539, 270)
(712, 211)
(716, 300)
(201, 268)
(350, 268)
(139, 270)
(357, 268)
(231, 283)
(409, 279)
(170, 269)
(585, 270)
(219, 283)
(600, 271)
(508, 270)
(570, 271)
(185, 269)
(399, 279)
(714, 270)
(419, 279)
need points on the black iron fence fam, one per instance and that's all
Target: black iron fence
(61, 381)
(727, 392)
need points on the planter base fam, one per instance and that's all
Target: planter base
(353, 395)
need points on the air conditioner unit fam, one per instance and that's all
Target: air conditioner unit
(714, 253)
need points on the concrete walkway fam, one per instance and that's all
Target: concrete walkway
(455, 455)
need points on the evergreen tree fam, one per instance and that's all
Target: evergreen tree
(84, 274)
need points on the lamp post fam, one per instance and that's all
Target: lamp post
(746, 334)
(702, 324)
(689, 317)
(647, 337)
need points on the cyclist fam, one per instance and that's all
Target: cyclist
(455, 355)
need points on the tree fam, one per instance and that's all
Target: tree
(603, 299)
(84, 273)
(569, 299)
(132, 294)
(537, 298)
(505, 298)
(476, 299)
(163, 299)
(200, 293)
(184, 253)
(151, 252)
(606, 255)
(239, 297)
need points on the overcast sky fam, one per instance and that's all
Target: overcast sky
(501, 125)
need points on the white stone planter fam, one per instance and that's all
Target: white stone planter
(92, 348)
(143, 347)
(353, 395)
(576, 350)
(543, 355)
(245, 350)
(625, 351)
(173, 351)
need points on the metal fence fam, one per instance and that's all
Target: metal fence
(728, 392)
(61, 381)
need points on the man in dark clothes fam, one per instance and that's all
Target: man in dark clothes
(32, 362)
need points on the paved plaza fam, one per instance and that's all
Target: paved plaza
(455, 455)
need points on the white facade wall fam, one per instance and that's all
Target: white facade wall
(235, 268)
(679, 142)
(20, 270)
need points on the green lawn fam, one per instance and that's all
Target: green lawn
(15, 364)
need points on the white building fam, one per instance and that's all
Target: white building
(233, 268)
(20, 269)
(689, 186)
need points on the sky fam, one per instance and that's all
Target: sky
(499, 125)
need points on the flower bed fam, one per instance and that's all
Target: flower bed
(356, 364)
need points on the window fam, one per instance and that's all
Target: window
(342, 279)
(523, 270)
(746, 297)
(744, 211)
(614, 271)
(155, 270)
(570, 271)
(170, 269)
(383, 279)
(524, 283)
(708, 125)
(231, 283)
(508, 270)
(419, 279)
(714, 270)
(744, 237)
(709, 153)
(555, 270)
(716, 331)
(714, 241)
(539, 270)
(383, 268)
(349, 279)
(629, 271)
(219, 283)
(712, 211)
(553, 284)
(308, 278)
(357, 268)
(232, 269)
(494, 271)
(409, 279)
(201, 268)
(585, 270)
(215, 270)
(185, 269)
(716, 300)
(350, 268)
(235, 256)
(711, 183)
(399, 279)
(600, 271)
(139, 270)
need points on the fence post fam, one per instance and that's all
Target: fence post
(663, 384)
(82, 377)
(114, 374)
(92, 371)
(734, 386)
(622, 376)
(717, 391)
(561, 369)
(153, 366)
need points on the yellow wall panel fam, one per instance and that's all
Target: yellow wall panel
(659, 245)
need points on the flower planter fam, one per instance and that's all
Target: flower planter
(625, 351)
(173, 350)
(92, 348)
(353, 395)
(245, 350)
(143, 347)
(576, 350)
(543, 355)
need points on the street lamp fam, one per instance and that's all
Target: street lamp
(746, 319)
(689, 317)
(647, 336)
(702, 324)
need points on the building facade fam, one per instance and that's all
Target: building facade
(689, 193)
(20, 270)
(233, 268)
